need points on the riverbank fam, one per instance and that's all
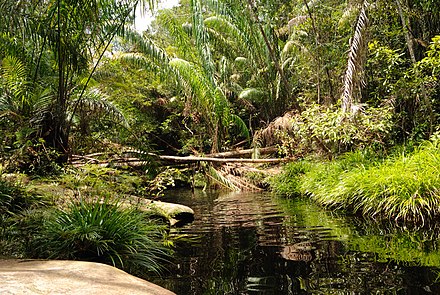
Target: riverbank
(403, 187)
(91, 214)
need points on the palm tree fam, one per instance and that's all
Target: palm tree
(61, 43)
(194, 71)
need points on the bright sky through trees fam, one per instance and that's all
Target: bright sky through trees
(143, 20)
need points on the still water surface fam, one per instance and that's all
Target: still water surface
(243, 243)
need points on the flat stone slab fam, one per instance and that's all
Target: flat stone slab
(70, 277)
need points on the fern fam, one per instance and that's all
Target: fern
(14, 76)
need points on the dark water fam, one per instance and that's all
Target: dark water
(244, 243)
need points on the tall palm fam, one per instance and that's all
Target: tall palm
(194, 71)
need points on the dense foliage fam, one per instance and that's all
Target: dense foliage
(402, 187)
(207, 74)
(104, 232)
(320, 78)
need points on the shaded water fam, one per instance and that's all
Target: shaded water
(243, 243)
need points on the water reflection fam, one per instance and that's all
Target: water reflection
(260, 244)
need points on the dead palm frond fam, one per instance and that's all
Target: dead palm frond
(231, 177)
(356, 57)
(269, 135)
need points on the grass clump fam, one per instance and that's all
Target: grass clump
(15, 198)
(401, 187)
(103, 232)
(20, 212)
(289, 182)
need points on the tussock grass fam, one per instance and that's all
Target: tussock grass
(103, 231)
(14, 198)
(402, 187)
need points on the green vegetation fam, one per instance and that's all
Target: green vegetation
(401, 187)
(80, 218)
(14, 198)
(88, 105)
(388, 243)
(102, 231)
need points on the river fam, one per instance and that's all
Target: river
(249, 243)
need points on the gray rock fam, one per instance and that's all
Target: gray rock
(176, 214)
(70, 277)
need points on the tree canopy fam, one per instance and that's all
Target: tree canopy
(208, 75)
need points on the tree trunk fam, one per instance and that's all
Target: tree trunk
(410, 45)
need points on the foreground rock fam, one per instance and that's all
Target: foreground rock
(70, 277)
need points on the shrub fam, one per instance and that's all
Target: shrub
(19, 216)
(330, 131)
(14, 198)
(92, 180)
(103, 232)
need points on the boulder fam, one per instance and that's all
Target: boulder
(70, 277)
(176, 214)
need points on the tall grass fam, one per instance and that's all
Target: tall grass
(289, 182)
(14, 198)
(401, 187)
(103, 232)
(17, 207)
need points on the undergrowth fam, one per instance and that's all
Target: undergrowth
(403, 187)
(103, 232)
(87, 227)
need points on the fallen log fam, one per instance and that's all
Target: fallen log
(236, 153)
(223, 157)
(193, 159)
(189, 159)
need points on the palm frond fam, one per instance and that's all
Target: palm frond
(202, 40)
(252, 94)
(218, 177)
(240, 125)
(196, 84)
(148, 47)
(41, 106)
(96, 104)
(228, 30)
(180, 34)
(356, 57)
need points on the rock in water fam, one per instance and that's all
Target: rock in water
(70, 277)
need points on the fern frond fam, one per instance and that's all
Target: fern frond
(14, 78)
